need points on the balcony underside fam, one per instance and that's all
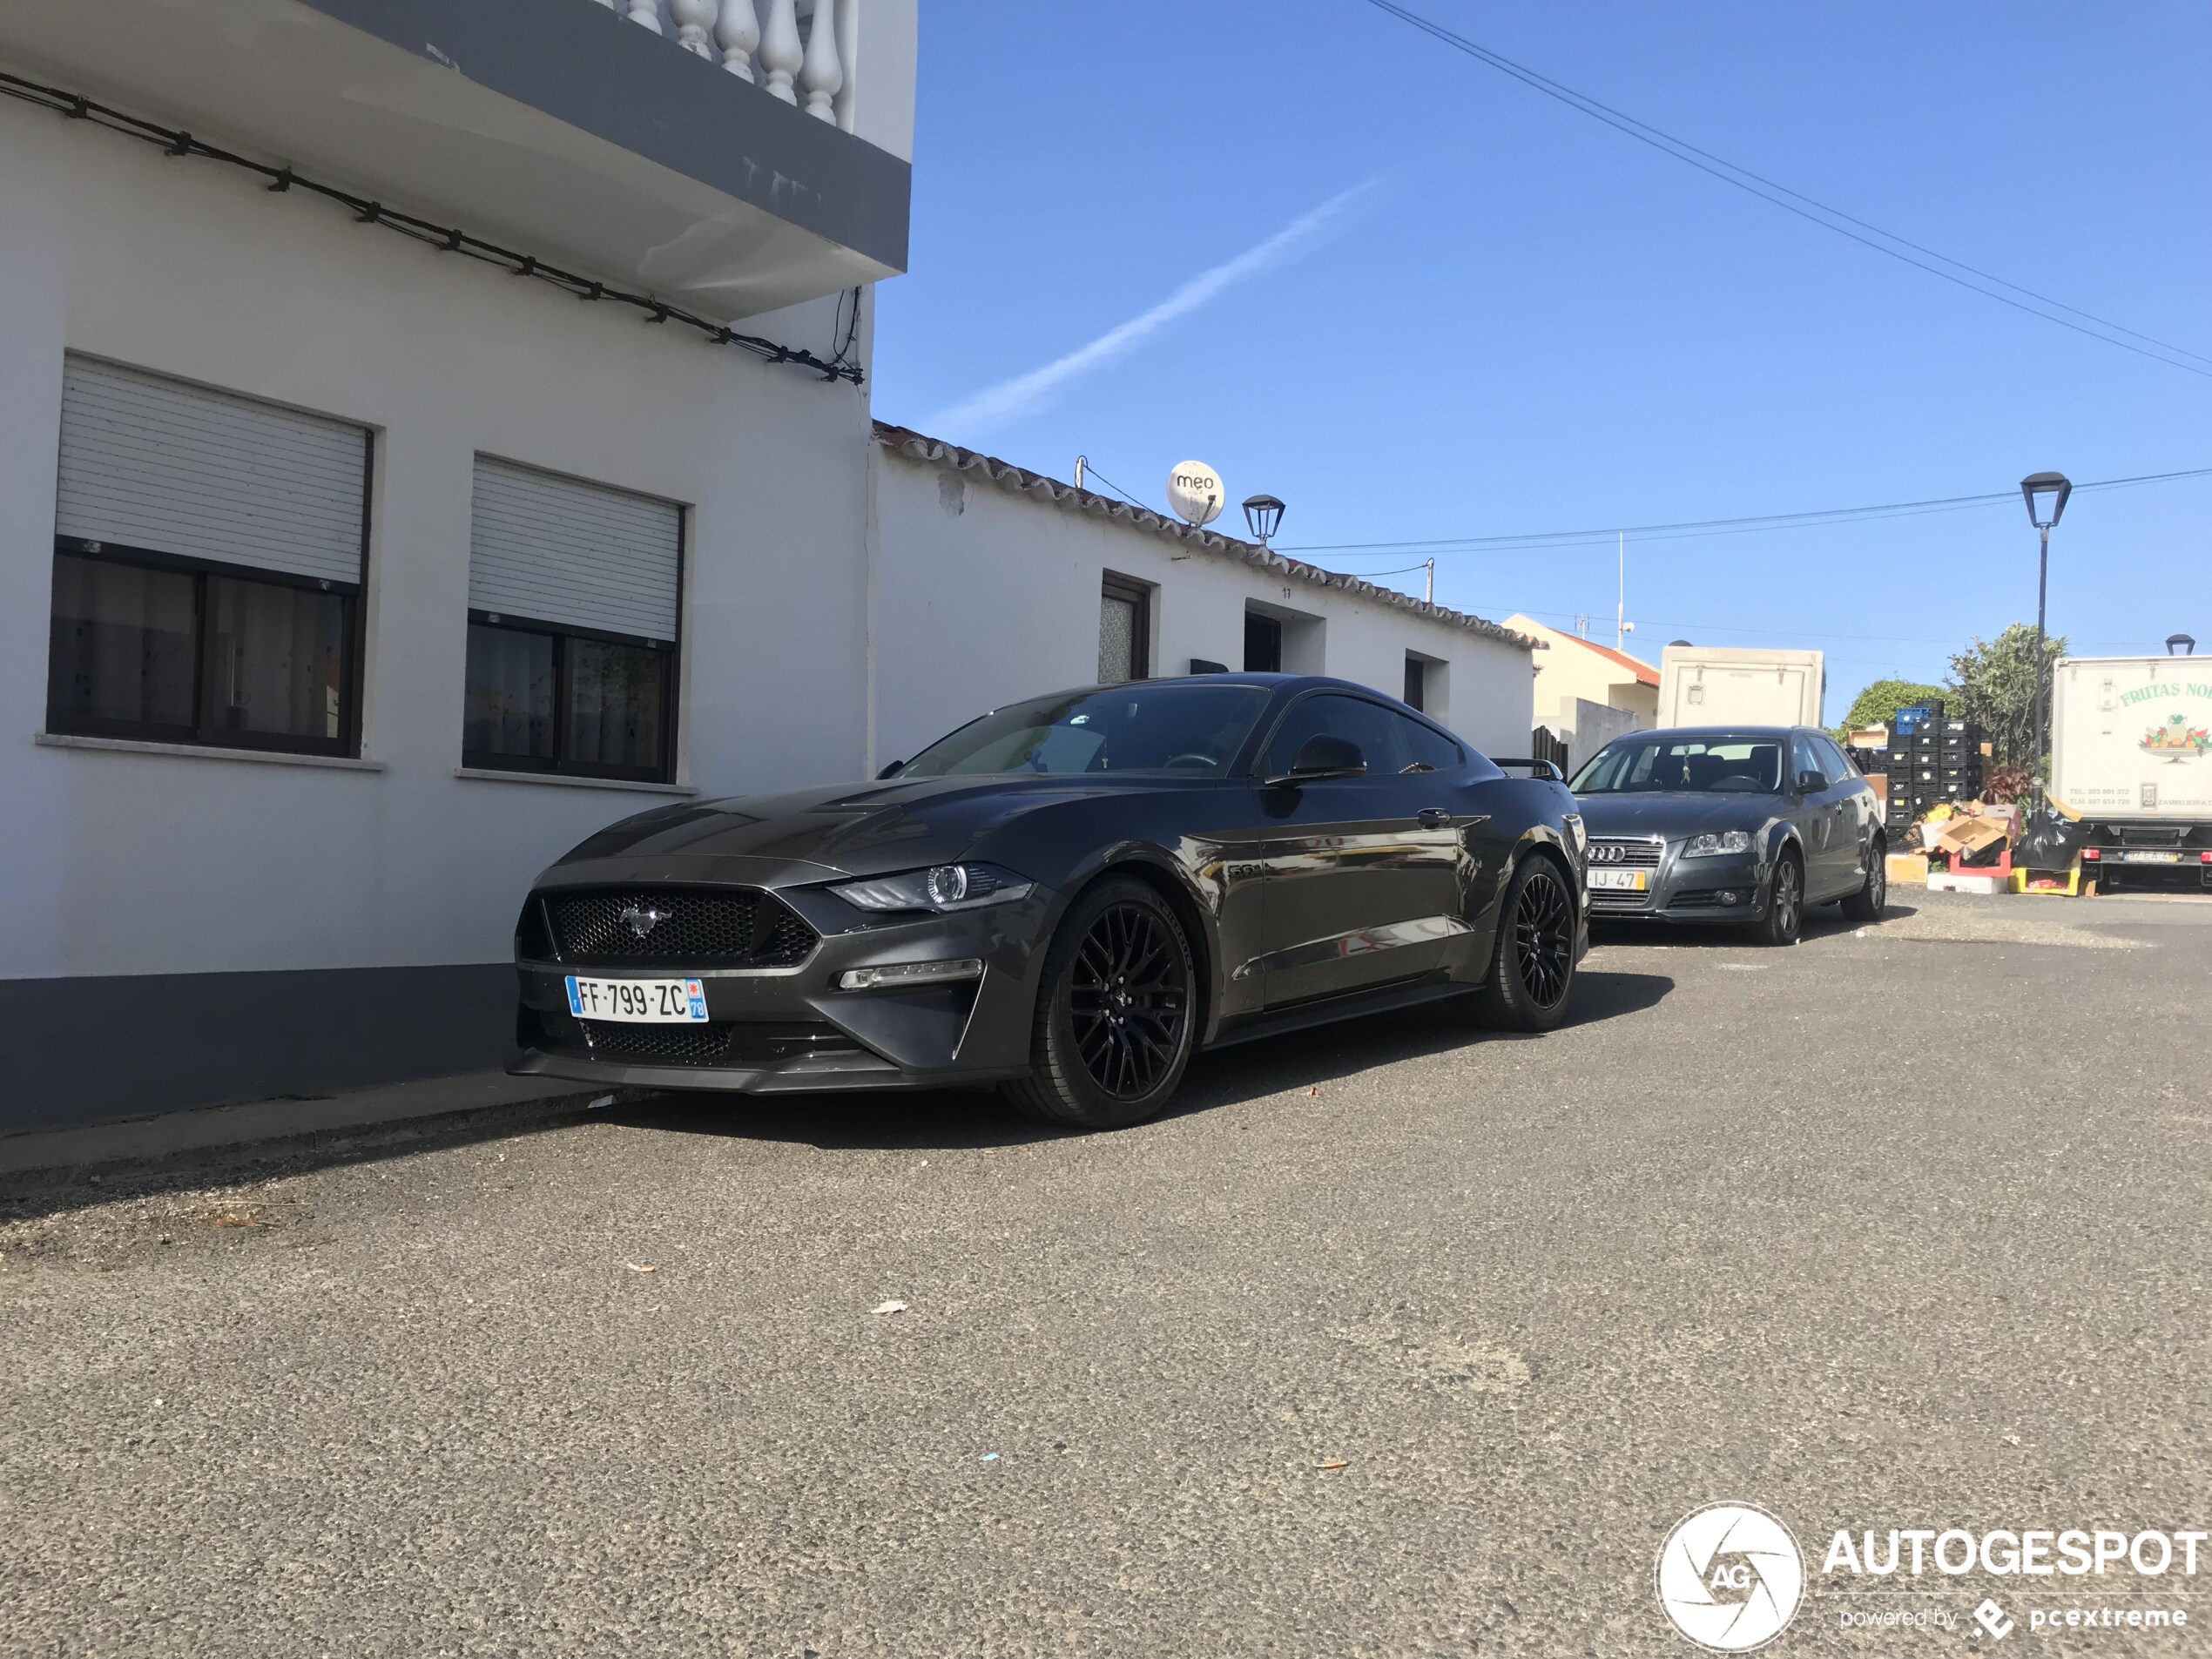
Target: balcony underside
(555, 125)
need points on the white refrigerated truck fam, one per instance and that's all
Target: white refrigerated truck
(1730, 685)
(2131, 755)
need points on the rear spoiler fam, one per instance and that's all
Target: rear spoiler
(1542, 768)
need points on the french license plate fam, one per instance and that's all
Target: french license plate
(1625, 881)
(637, 1001)
(2150, 858)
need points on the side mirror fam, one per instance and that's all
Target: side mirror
(1810, 783)
(893, 770)
(1325, 757)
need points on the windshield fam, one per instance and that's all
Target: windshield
(1183, 731)
(1718, 763)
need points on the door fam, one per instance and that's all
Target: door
(1360, 878)
(1823, 824)
(1862, 814)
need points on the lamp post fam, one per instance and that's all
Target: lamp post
(2045, 493)
(1265, 514)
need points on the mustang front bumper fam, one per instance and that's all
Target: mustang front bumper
(792, 1029)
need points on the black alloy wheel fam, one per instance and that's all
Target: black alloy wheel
(1543, 939)
(1531, 972)
(1129, 994)
(1785, 905)
(1116, 1011)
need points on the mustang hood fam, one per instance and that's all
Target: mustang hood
(1674, 815)
(851, 829)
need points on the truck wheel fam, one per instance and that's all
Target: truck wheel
(1867, 903)
(1785, 903)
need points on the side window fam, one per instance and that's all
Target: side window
(1834, 761)
(1426, 749)
(1804, 758)
(1368, 725)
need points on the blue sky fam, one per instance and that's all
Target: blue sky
(1417, 300)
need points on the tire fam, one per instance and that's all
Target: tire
(1115, 1012)
(1867, 903)
(1531, 978)
(1785, 903)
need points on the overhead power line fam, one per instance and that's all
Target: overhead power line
(1818, 212)
(1701, 527)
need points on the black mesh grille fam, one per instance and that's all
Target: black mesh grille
(716, 1042)
(731, 926)
(659, 1045)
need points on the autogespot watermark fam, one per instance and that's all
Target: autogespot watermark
(1730, 1578)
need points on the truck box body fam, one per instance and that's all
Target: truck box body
(2131, 754)
(1721, 685)
(2131, 738)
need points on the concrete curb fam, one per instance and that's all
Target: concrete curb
(239, 1139)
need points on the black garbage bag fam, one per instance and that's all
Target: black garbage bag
(2048, 844)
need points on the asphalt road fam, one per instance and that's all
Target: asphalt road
(1396, 1341)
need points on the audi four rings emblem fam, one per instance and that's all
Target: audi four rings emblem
(1602, 853)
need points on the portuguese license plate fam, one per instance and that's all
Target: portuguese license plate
(1621, 881)
(637, 1001)
(2150, 858)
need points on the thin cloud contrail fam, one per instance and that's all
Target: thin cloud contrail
(1027, 393)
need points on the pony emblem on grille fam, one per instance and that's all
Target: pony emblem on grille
(643, 919)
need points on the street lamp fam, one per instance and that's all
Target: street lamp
(1263, 514)
(2045, 493)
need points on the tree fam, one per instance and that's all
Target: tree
(1994, 683)
(1874, 705)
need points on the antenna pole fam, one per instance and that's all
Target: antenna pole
(1620, 605)
(1430, 595)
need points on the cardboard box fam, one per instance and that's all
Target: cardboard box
(1908, 869)
(1972, 840)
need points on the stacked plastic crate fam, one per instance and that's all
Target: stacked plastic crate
(1933, 757)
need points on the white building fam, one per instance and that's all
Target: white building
(430, 432)
(994, 583)
(346, 576)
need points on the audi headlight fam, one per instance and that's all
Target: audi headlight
(1706, 846)
(946, 886)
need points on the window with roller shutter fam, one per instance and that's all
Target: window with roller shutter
(573, 598)
(209, 551)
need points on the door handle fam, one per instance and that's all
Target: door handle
(1433, 817)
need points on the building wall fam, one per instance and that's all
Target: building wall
(117, 868)
(985, 596)
(1589, 726)
(1570, 671)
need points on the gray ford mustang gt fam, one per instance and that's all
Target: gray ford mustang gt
(1066, 897)
(1744, 824)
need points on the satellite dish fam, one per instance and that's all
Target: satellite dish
(1195, 492)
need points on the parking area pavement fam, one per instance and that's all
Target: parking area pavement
(1396, 1340)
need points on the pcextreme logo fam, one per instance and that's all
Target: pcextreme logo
(1729, 1577)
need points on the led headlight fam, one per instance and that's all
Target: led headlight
(1706, 846)
(896, 973)
(946, 887)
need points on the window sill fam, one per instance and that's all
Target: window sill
(197, 752)
(564, 780)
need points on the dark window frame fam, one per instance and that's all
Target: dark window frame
(1269, 624)
(1139, 595)
(670, 653)
(203, 733)
(1417, 667)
